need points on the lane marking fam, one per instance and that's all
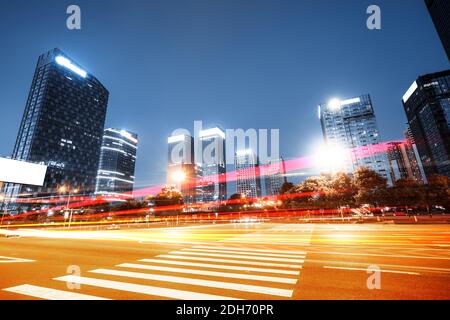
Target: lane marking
(143, 289)
(292, 266)
(381, 255)
(366, 269)
(251, 249)
(247, 253)
(210, 273)
(239, 256)
(198, 282)
(50, 294)
(13, 260)
(220, 266)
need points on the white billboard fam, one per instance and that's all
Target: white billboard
(22, 172)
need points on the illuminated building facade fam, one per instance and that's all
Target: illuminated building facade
(62, 126)
(427, 107)
(274, 173)
(248, 181)
(115, 176)
(182, 172)
(212, 165)
(351, 125)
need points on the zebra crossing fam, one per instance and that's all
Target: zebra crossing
(210, 271)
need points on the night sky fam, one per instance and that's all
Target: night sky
(234, 63)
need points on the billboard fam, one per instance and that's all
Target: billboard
(22, 172)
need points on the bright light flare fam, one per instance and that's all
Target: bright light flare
(331, 158)
(179, 176)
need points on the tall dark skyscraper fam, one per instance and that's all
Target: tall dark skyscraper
(427, 107)
(62, 126)
(117, 163)
(440, 13)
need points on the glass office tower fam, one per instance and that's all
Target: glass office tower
(182, 172)
(248, 181)
(213, 184)
(440, 14)
(62, 126)
(351, 125)
(274, 172)
(427, 107)
(115, 176)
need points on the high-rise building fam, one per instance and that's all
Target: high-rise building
(248, 180)
(403, 160)
(274, 172)
(115, 176)
(350, 125)
(427, 107)
(213, 182)
(182, 172)
(62, 126)
(440, 14)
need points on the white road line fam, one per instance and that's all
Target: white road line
(265, 264)
(365, 269)
(247, 253)
(50, 294)
(239, 256)
(382, 255)
(251, 249)
(210, 273)
(220, 266)
(198, 282)
(138, 288)
(13, 260)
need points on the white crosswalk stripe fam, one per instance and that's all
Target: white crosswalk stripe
(209, 273)
(220, 266)
(50, 294)
(143, 289)
(246, 253)
(230, 248)
(239, 256)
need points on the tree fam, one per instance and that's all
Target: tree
(286, 187)
(371, 187)
(438, 191)
(341, 190)
(169, 197)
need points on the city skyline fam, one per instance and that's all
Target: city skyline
(151, 166)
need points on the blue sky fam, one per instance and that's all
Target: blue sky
(234, 63)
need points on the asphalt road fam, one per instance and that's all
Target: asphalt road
(229, 261)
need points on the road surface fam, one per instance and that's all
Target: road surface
(229, 261)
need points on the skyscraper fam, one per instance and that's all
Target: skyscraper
(274, 176)
(182, 172)
(248, 181)
(115, 176)
(427, 107)
(62, 126)
(440, 14)
(351, 125)
(403, 161)
(213, 184)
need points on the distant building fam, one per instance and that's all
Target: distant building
(213, 180)
(274, 173)
(404, 161)
(62, 126)
(351, 125)
(115, 176)
(427, 107)
(182, 172)
(440, 14)
(248, 181)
